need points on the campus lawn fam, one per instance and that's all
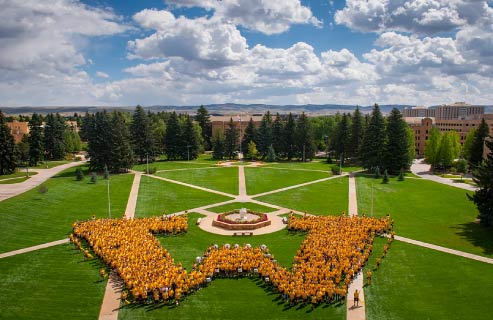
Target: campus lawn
(259, 180)
(14, 180)
(219, 178)
(247, 298)
(239, 205)
(18, 174)
(171, 165)
(323, 198)
(52, 283)
(419, 283)
(33, 218)
(48, 164)
(158, 196)
(427, 211)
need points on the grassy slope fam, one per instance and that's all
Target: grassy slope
(328, 197)
(53, 283)
(231, 298)
(157, 196)
(427, 211)
(259, 180)
(32, 218)
(220, 179)
(418, 283)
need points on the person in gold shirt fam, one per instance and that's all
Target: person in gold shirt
(368, 277)
(356, 298)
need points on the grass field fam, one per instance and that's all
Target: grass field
(158, 196)
(427, 211)
(171, 165)
(33, 218)
(14, 180)
(419, 283)
(220, 179)
(239, 205)
(53, 283)
(18, 174)
(323, 198)
(231, 298)
(259, 180)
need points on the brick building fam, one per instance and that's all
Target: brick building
(18, 129)
(221, 122)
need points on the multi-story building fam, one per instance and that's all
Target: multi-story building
(221, 122)
(418, 112)
(18, 129)
(458, 110)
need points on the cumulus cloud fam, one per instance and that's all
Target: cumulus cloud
(101, 74)
(269, 17)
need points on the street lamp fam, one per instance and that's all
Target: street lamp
(188, 152)
(240, 156)
(108, 191)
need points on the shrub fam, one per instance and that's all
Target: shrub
(335, 170)
(152, 170)
(401, 175)
(377, 173)
(385, 177)
(79, 174)
(106, 173)
(94, 177)
(43, 189)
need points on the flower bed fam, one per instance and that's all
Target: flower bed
(222, 221)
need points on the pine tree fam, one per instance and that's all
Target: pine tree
(122, 157)
(99, 133)
(483, 197)
(142, 137)
(22, 150)
(264, 139)
(290, 138)
(397, 148)
(36, 147)
(7, 148)
(173, 137)
(203, 119)
(432, 147)
(190, 140)
(305, 143)
(218, 145)
(410, 144)
(466, 150)
(477, 147)
(54, 133)
(373, 148)
(231, 137)
(271, 154)
(342, 139)
(79, 174)
(385, 179)
(278, 135)
(250, 135)
(357, 133)
(401, 175)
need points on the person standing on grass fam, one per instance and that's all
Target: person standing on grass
(356, 298)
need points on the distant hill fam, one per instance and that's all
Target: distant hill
(219, 109)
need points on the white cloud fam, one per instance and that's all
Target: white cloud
(266, 16)
(102, 75)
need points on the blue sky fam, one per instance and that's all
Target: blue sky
(191, 52)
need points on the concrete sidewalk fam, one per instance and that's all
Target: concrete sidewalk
(422, 169)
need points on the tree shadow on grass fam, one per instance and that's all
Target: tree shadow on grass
(477, 235)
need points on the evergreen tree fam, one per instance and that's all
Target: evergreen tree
(271, 154)
(305, 143)
(54, 134)
(79, 174)
(264, 139)
(432, 155)
(466, 150)
(158, 131)
(94, 177)
(410, 143)
(231, 137)
(106, 173)
(278, 135)
(357, 133)
(252, 151)
(342, 139)
(483, 197)
(385, 179)
(35, 139)
(22, 150)
(99, 133)
(218, 145)
(203, 119)
(290, 138)
(142, 136)
(250, 135)
(397, 148)
(401, 175)
(477, 147)
(121, 156)
(173, 137)
(190, 140)
(373, 148)
(7, 148)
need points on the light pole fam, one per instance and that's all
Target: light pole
(108, 190)
(241, 153)
(372, 198)
(303, 152)
(188, 152)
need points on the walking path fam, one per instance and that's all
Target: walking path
(11, 190)
(134, 193)
(353, 312)
(34, 248)
(422, 169)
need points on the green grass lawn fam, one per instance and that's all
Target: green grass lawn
(14, 180)
(158, 196)
(239, 205)
(231, 298)
(18, 174)
(259, 180)
(328, 197)
(427, 211)
(220, 179)
(419, 283)
(171, 165)
(33, 218)
(49, 164)
(52, 283)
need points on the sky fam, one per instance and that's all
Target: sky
(192, 52)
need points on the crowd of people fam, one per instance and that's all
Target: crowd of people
(334, 251)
